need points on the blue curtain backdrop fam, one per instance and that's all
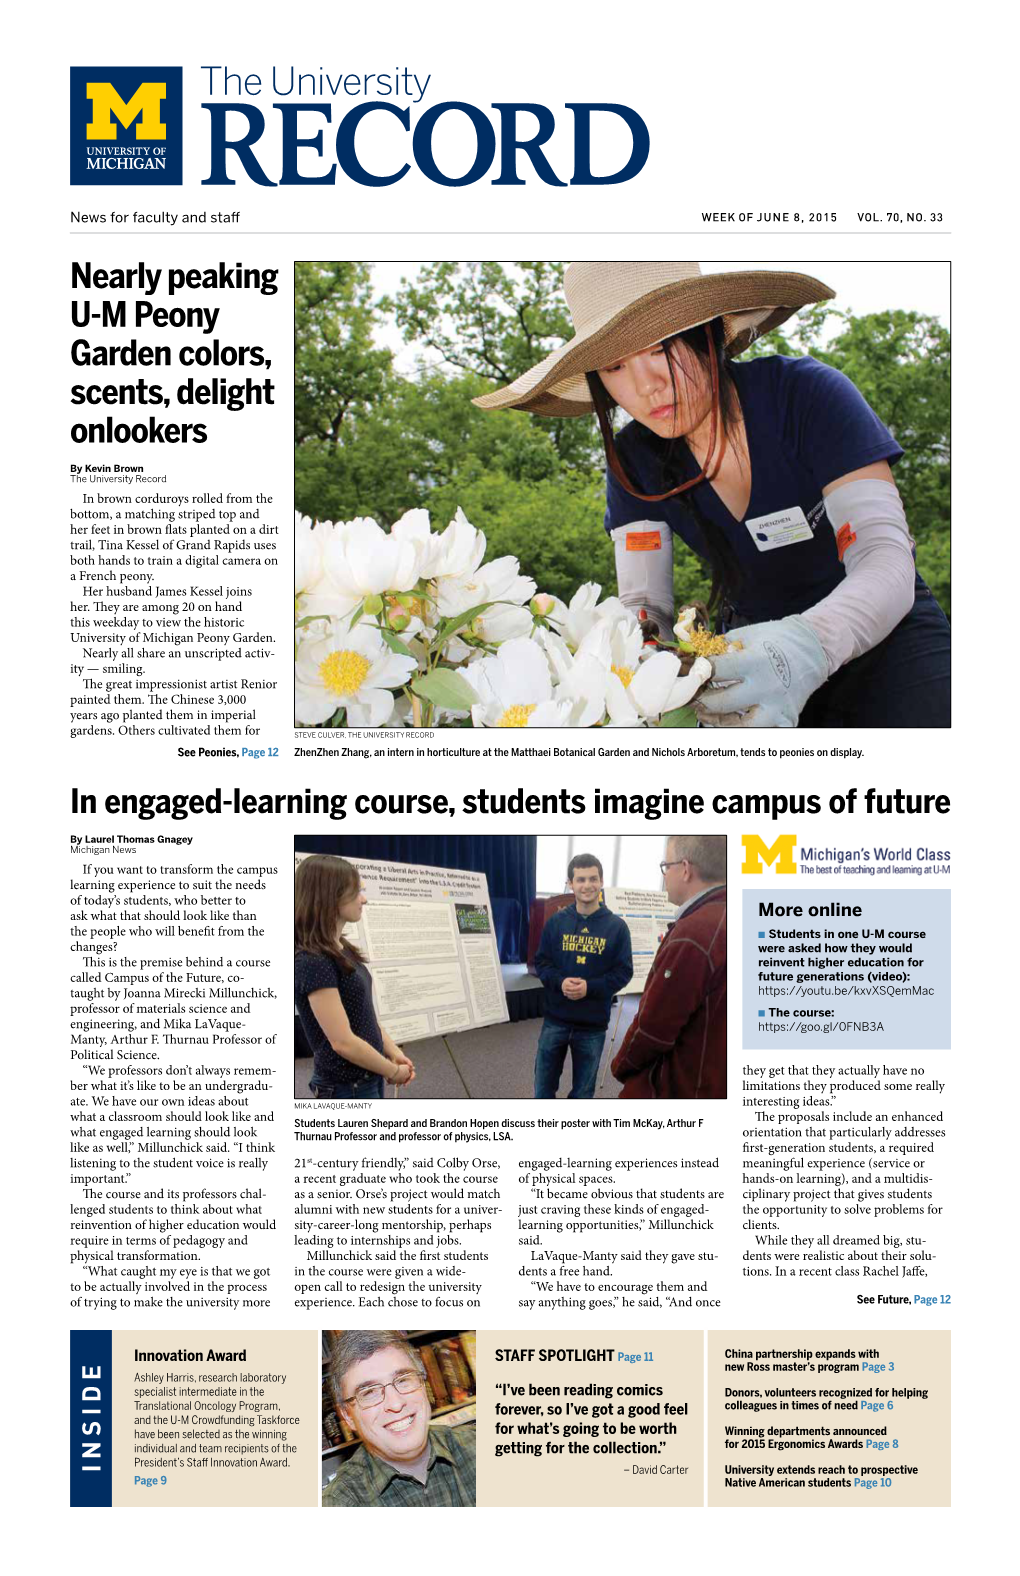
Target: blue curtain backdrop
(508, 864)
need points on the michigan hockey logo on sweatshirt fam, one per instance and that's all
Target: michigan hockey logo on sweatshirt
(583, 945)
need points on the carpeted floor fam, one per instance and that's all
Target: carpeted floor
(496, 1063)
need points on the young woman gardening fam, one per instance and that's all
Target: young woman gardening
(775, 471)
(354, 1056)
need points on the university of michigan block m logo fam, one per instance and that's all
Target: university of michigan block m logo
(144, 110)
(127, 125)
(780, 854)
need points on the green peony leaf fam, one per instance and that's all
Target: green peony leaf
(445, 688)
(394, 642)
(679, 717)
(449, 626)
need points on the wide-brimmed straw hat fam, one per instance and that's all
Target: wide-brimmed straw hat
(620, 308)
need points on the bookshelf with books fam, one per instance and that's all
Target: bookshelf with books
(448, 1357)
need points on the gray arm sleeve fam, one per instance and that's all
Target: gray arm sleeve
(871, 531)
(644, 570)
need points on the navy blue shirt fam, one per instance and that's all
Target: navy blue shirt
(806, 425)
(592, 947)
(313, 971)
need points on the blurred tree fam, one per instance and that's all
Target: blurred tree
(495, 321)
(338, 370)
(425, 434)
(480, 318)
(552, 525)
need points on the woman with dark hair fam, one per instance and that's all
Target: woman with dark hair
(775, 471)
(354, 1056)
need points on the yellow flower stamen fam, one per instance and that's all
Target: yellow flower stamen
(343, 672)
(624, 675)
(515, 717)
(705, 644)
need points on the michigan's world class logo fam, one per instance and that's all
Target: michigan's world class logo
(126, 126)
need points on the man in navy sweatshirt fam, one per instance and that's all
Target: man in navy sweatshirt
(583, 959)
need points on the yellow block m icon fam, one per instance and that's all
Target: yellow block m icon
(146, 107)
(780, 854)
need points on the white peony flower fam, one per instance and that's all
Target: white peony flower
(501, 623)
(308, 570)
(415, 527)
(514, 689)
(353, 668)
(626, 646)
(580, 679)
(634, 697)
(458, 550)
(500, 581)
(610, 650)
(314, 595)
(457, 650)
(585, 610)
(361, 559)
(687, 685)
(584, 665)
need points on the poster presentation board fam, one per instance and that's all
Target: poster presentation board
(646, 915)
(430, 943)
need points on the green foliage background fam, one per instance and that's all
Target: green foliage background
(371, 441)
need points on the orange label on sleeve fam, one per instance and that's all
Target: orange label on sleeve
(844, 536)
(643, 541)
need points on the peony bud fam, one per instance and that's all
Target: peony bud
(542, 604)
(373, 604)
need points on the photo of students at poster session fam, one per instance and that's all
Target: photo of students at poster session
(580, 967)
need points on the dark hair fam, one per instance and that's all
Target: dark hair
(322, 884)
(722, 560)
(584, 862)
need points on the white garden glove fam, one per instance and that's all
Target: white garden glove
(768, 683)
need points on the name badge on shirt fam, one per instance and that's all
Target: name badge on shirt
(781, 529)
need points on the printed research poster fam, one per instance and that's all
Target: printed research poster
(429, 938)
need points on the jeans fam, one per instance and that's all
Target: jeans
(373, 1088)
(585, 1046)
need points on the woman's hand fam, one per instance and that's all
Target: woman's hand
(397, 1056)
(768, 683)
(400, 1073)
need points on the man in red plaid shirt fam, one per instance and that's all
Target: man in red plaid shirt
(676, 1047)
